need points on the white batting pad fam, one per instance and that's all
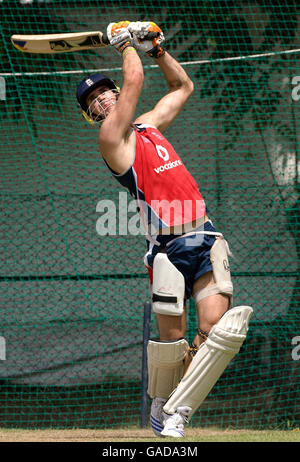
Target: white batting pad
(168, 287)
(221, 271)
(223, 343)
(165, 366)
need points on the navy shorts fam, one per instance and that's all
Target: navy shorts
(190, 254)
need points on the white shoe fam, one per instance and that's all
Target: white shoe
(174, 424)
(156, 415)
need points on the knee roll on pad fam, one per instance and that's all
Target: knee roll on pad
(168, 287)
(165, 366)
(223, 343)
(221, 271)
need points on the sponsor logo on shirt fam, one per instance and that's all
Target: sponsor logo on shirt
(168, 166)
(160, 137)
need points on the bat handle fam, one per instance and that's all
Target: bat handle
(152, 35)
(105, 39)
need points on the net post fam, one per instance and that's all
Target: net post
(146, 336)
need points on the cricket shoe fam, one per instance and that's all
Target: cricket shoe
(174, 423)
(156, 415)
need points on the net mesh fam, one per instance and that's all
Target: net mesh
(71, 312)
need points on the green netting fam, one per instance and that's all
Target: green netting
(71, 310)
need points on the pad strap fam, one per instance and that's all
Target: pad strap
(202, 334)
(164, 298)
(213, 290)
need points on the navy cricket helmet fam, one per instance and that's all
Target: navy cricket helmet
(88, 84)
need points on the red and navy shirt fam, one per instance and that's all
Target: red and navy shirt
(166, 192)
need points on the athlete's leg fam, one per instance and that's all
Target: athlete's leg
(225, 332)
(171, 327)
(166, 364)
(209, 309)
(221, 332)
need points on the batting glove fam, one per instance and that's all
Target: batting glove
(141, 32)
(119, 35)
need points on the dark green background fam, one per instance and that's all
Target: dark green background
(71, 308)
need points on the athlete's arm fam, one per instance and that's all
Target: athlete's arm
(116, 140)
(180, 89)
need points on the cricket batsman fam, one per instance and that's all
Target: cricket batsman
(185, 256)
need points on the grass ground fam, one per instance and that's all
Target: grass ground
(146, 435)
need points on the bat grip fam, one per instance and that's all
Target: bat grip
(105, 39)
(152, 35)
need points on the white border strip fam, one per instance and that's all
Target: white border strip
(185, 63)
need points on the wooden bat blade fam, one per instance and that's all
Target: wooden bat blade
(59, 43)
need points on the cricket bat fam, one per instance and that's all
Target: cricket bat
(60, 43)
